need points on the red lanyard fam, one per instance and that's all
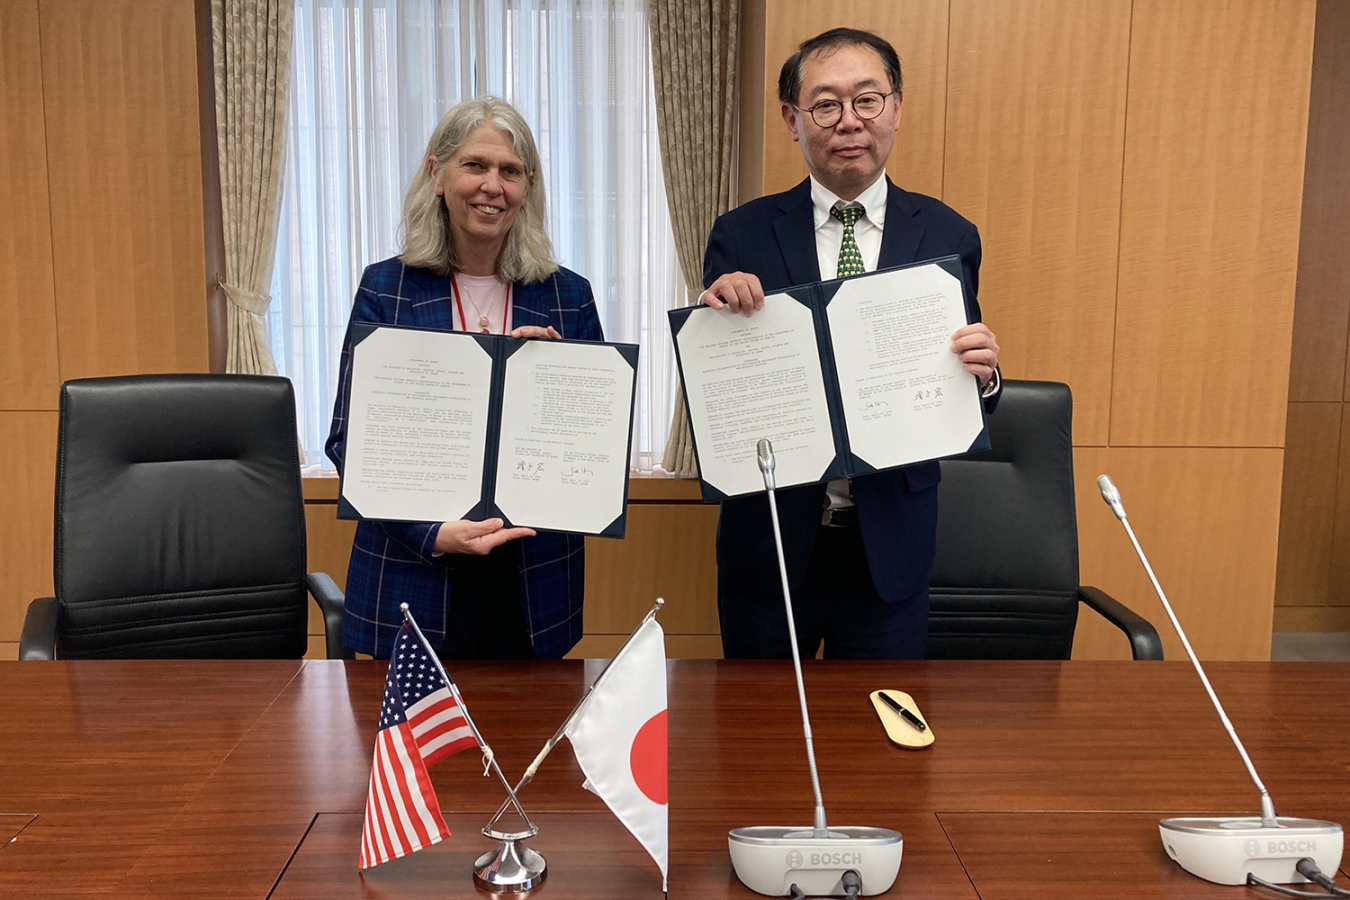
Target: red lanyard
(463, 322)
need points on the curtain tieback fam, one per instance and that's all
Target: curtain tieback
(246, 300)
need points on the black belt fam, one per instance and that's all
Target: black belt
(840, 517)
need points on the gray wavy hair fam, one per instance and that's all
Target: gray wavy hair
(424, 233)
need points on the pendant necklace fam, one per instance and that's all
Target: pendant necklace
(483, 321)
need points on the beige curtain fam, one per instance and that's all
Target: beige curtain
(694, 51)
(252, 46)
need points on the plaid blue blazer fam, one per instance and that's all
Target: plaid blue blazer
(391, 561)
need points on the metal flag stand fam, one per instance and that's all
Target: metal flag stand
(510, 868)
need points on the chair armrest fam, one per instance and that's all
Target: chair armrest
(38, 640)
(1143, 636)
(325, 593)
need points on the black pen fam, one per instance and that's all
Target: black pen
(904, 713)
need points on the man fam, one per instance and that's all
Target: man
(860, 553)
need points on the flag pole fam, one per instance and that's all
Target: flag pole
(468, 719)
(562, 729)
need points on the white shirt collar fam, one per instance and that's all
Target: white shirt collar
(873, 201)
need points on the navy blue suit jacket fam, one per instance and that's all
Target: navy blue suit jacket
(774, 238)
(391, 561)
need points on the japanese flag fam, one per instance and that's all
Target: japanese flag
(620, 739)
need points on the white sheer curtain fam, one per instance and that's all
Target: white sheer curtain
(370, 79)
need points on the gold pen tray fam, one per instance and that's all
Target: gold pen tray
(897, 729)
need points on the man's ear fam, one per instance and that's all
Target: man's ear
(791, 118)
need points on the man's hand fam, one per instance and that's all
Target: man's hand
(740, 291)
(476, 538)
(977, 349)
(529, 331)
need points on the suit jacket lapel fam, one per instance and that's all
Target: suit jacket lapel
(903, 233)
(796, 233)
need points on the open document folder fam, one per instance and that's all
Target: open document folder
(446, 425)
(845, 377)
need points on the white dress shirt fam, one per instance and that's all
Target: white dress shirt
(867, 230)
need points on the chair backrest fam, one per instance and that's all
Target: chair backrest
(1005, 579)
(180, 525)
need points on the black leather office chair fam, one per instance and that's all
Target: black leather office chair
(1005, 581)
(180, 526)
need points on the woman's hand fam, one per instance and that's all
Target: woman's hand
(476, 538)
(529, 331)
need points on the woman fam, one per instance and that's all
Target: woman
(475, 258)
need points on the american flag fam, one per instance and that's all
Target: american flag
(420, 724)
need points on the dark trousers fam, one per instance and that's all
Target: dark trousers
(836, 604)
(486, 619)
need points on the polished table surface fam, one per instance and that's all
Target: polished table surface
(248, 779)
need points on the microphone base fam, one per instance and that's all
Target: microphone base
(1224, 850)
(769, 859)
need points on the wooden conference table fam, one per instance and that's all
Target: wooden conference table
(248, 780)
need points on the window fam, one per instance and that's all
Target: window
(370, 79)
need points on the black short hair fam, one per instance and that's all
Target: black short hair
(790, 78)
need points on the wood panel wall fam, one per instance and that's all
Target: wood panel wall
(101, 246)
(29, 369)
(1135, 168)
(1312, 589)
(1137, 171)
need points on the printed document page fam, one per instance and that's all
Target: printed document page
(906, 396)
(563, 458)
(417, 428)
(752, 378)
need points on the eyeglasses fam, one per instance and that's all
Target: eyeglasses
(827, 113)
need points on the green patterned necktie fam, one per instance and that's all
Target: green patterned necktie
(850, 258)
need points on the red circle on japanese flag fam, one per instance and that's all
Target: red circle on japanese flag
(647, 758)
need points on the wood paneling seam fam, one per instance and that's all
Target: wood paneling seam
(1186, 446)
(46, 154)
(946, 98)
(1120, 224)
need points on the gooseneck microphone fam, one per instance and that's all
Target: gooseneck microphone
(1112, 497)
(819, 860)
(764, 451)
(1227, 850)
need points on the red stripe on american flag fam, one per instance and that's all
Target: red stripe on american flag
(369, 855)
(376, 847)
(424, 801)
(440, 727)
(412, 787)
(402, 814)
(390, 806)
(378, 843)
